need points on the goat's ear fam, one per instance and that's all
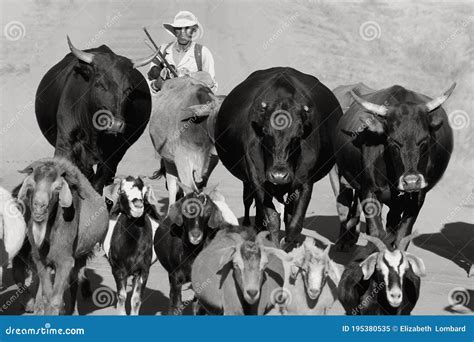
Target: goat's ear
(333, 272)
(294, 269)
(175, 215)
(216, 219)
(115, 210)
(65, 195)
(226, 256)
(368, 265)
(151, 204)
(417, 265)
(27, 184)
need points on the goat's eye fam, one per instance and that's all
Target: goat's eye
(395, 143)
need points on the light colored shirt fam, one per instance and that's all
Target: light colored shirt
(188, 63)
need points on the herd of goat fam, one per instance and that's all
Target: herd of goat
(279, 131)
(232, 269)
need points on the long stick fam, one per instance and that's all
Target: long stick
(165, 62)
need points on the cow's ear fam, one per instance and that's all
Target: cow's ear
(368, 265)
(435, 120)
(307, 130)
(258, 129)
(371, 123)
(84, 70)
(175, 215)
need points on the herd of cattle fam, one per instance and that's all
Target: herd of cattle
(279, 132)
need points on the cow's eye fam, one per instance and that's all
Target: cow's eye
(100, 85)
(128, 91)
(422, 141)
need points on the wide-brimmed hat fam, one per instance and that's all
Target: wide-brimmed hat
(185, 19)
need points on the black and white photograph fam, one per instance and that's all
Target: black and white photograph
(275, 157)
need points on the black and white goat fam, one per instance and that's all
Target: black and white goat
(382, 282)
(191, 223)
(129, 241)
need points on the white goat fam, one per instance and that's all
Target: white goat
(311, 281)
(12, 230)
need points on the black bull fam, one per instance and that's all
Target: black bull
(92, 106)
(273, 133)
(392, 146)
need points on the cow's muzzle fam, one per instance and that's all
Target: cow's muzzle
(195, 236)
(412, 182)
(104, 120)
(279, 175)
(117, 126)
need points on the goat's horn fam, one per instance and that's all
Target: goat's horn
(261, 237)
(402, 245)
(236, 237)
(376, 241)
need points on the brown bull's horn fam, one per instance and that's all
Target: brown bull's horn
(371, 107)
(376, 241)
(82, 55)
(139, 62)
(436, 102)
(402, 245)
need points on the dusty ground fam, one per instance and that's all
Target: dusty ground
(423, 46)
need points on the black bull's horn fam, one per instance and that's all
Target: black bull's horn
(88, 57)
(382, 110)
